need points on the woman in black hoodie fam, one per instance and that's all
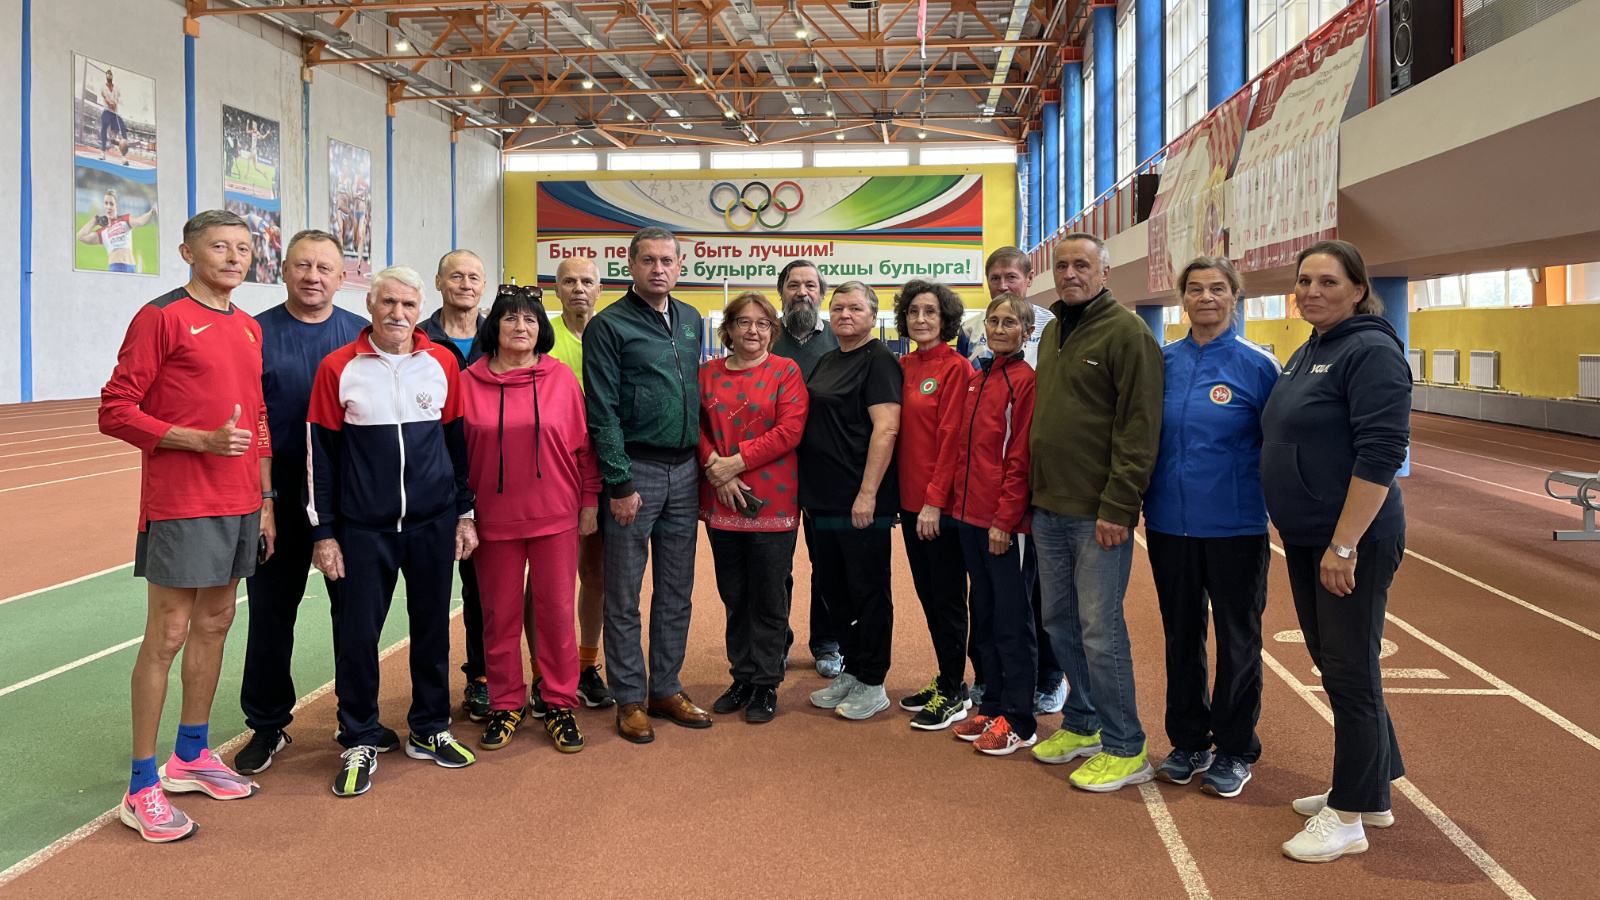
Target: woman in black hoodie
(1336, 431)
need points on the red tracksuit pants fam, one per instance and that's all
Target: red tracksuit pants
(551, 565)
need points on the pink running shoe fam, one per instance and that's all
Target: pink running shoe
(208, 775)
(149, 813)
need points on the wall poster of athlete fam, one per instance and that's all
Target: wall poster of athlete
(252, 189)
(114, 169)
(350, 209)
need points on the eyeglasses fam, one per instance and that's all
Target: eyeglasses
(744, 323)
(531, 291)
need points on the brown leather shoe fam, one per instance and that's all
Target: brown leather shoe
(680, 709)
(633, 724)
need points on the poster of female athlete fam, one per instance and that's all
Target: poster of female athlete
(350, 209)
(251, 187)
(114, 169)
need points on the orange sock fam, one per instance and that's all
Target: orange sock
(588, 657)
(536, 673)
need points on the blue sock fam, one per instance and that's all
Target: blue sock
(191, 740)
(144, 775)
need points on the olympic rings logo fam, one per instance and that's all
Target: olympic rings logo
(768, 197)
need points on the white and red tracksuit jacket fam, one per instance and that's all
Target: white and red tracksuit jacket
(384, 443)
(989, 487)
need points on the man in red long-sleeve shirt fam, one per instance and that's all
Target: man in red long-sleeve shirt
(188, 372)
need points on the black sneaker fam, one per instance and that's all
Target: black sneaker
(734, 698)
(502, 727)
(920, 699)
(355, 773)
(763, 705)
(941, 711)
(475, 699)
(537, 708)
(387, 741)
(257, 755)
(442, 748)
(562, 727)
(592, 689)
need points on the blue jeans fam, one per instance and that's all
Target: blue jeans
(1083, 590)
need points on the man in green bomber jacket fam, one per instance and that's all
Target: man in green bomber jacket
(1096, 429)
(641, 357)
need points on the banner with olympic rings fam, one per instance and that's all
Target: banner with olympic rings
(740, 232)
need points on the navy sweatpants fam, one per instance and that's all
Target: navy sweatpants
(372, 560)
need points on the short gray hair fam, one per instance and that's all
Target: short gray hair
(1105, 254)
(862, 288)
(445, 259)
(211, 218)
(403, 274)
(653, 233)
(1019, 305)
(311, 234)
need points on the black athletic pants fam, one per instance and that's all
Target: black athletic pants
(853, 565)
(1229, 574)
(1344, 635)
(751, 568)
(1003, 629)
(940, 576)
(472, 621)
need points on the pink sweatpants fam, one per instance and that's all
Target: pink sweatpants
(551, 562)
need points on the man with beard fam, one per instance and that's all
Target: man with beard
(804, 337)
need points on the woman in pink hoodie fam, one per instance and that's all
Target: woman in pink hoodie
(533, 470)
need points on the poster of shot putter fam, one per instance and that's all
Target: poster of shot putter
(114, 169)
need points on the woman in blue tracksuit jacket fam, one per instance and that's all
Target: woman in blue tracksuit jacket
(1206, 527)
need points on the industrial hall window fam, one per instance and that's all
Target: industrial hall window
(1089, 192)
(1127, 94)
(1277, 25)
(1186, 65)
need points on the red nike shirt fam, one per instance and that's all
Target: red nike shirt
(185, 364)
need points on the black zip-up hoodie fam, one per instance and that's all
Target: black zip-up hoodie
(1342, 407)
(433, 327)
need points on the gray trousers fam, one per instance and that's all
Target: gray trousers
(666, 529)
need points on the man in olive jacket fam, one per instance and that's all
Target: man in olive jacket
(641, 359)
(1096, 428)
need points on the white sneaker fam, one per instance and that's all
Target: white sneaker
(863, 702)
(1325, 839)
(831, 696)
(1310, 806)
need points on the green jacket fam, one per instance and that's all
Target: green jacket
(1096, 414)
(641, 386)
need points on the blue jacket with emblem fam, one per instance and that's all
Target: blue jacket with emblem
(1207, 481)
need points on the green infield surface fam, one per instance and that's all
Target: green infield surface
(146, 248)
(259, 175)
(66, 655)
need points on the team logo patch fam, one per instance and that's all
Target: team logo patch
(425, 400)
(1221, 395)
(929, 385)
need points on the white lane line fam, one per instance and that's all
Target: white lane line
(6, 434)
(1188, 870)
(1438, 420)
(1464, 692)
(64, 462)
(23, 487)
(1559, 720)
(1526, 449)
(62, 843)
(1502, 594)
(1480, 858)
(1486, 481)
(1415, 673)
(63, 437)
(81, 578)
(1417, 443)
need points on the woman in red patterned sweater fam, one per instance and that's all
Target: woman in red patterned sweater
(752, 413)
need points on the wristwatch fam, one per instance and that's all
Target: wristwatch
(1342, 551)
(269, 495)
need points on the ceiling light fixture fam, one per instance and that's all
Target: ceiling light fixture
(659, 37)
(699, 79)
(631, 116)
(728, 114)
(817, 78)
(477, 86)
(922, 134)
(587, 84)
(801, 33)
(798, 110)
(402, 45)
(838, 135)
(674, 113)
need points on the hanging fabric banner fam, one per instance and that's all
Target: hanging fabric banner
(1190, 206)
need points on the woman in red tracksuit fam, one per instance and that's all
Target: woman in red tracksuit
(530, 457)
(988, 497)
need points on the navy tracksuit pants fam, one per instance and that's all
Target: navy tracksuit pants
(425, 554)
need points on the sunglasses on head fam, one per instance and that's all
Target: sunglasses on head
(531, 291)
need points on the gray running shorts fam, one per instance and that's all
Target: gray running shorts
(198, 553)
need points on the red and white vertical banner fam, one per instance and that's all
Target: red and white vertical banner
(922, 28)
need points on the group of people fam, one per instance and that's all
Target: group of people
(553, 459)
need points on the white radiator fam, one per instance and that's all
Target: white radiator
(1483, 369)
(1446, 366)
(1414, 357)
(1589, 375)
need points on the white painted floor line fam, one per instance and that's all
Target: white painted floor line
(1502, 594)
(59, 449)
(62, 843)
(1490, 483)
(1194, 884)
(1464, 692)
(1438, 420)
(64, 462)
(23, 487)
(91, 425)
(1480, 858)
(59, 437)
(1526, 449)
(81, 578)
(1559, 720)
(1417, 443)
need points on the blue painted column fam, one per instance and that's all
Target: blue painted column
(388, 176)
(1035, 236)
(453, 242)
(25, 213)
(1050, 197)
(1396, 296)
(1227, 42)
(188, 111)
(1151, 314)
(305, 136)
(1149, 78)
(1103, 19)
(1022, 200)
(1072, 139)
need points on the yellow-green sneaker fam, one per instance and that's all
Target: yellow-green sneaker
(1065, 746)
(1104, 772)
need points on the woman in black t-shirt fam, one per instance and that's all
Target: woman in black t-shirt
(848, 488)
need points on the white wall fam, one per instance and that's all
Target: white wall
(79, 317)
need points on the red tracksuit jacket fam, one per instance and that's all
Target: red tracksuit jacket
(989, 487)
